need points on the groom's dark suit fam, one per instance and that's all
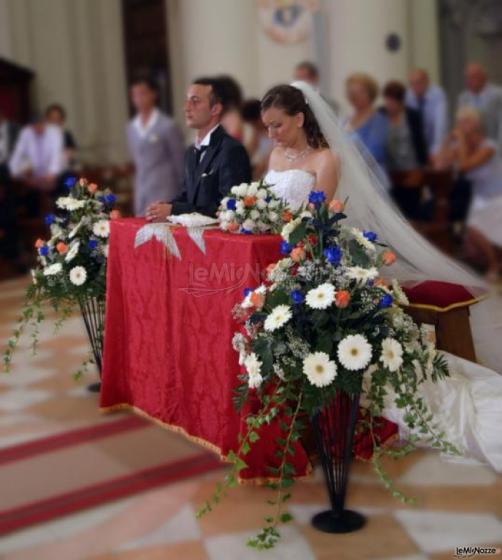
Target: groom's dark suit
(224, 163)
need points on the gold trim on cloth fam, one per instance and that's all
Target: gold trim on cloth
(258, 481)
(466, 303)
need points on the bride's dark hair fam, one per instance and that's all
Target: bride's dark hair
(292, 101)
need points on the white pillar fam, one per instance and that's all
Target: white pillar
(425, 45)
(5, 30)
(358, 30)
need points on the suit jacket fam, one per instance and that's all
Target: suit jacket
(224, 165)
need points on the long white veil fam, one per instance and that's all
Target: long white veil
(371, 208)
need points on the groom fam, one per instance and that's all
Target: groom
(214, 164)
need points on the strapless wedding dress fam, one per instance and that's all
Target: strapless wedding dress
(467, 406)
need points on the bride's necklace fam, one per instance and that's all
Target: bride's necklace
(298, 155)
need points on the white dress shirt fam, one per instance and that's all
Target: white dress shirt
(144, 129)
(434, 112)
(40, 153)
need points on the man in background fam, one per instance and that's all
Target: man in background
(307, 71)
(430, 101)
(484, 97)
(156, 148)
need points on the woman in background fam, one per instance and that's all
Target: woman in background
(256, 140)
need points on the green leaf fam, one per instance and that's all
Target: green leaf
(286, 517)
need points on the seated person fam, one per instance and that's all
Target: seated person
(55, 114)
(477, 157)
(257, 144)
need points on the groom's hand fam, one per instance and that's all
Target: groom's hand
(158, 211)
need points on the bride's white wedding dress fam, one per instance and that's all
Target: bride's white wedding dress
(467, 406)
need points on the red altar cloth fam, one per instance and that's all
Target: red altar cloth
(169, 326)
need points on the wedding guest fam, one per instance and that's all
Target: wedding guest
(485, 97)
(406, 150)
(156, 148)
(478, 157)
(56, 114)
(258, 144)
(214, 164)
(307, 71)
(232, 119)
(430, 101)
(366, 124)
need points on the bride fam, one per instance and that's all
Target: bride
(312, 152)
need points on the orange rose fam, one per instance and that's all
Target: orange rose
(298, 254)
(115, 214)
(336, 206)
(389, 258)
(342, 299)
(82, 182)
(92, 188)
(39, 243)
(380, 282)
(61, 248)
(257, 300)
(287, 216)
(233, 226)
(249, 201)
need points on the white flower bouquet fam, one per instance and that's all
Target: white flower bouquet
(252, 208)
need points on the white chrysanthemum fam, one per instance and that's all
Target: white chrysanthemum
(69, 203)
(262, 194)
(261, 204)
(262, 226)
(362, 274)
(399, 294)
(241, 190)
(279, 316)
(255, 380)
(392, 354)
(249, 225)
(254, 215)
(56, 230)
(239, 207)
(73, 252)
(354, 352)
(78, 275)
(319, 369)
(274, 203)
(228, 216)
(252, 189)
(273, 216)
(321, 297)
(253, 365)
(224, 225)
(101, 228)
(359, 237)
(53, 269)
(288, 228)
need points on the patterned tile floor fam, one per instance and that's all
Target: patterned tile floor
(456, 504)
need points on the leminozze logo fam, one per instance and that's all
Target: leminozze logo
(470, 551)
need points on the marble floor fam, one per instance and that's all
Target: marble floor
(456, 505)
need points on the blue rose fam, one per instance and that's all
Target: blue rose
(385, 301)
(333, 254)
(247, 291)
(246, 231)
(70, 182)
(43, 251)
(49, 219)
(317, 198)
(231, 204)
(285, 248)
(110, 199)
(297, 297)
(370, 283)
(370, 235)
(92, 244)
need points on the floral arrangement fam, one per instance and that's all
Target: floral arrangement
(326, 321)
(72, 262)
(253, 208)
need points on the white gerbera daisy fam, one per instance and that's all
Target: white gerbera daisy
(72, 253)
(101, 228)
(319, 369)
(53, 269)
(354, 352)
(253, 367)
(359, 237)
(362, 274)
(321, 297)
(78, 275)
(279, 316)
(392, 354)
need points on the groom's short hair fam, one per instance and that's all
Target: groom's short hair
(217, 93)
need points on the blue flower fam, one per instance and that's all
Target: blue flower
(370, 235)
(285, 248)
(247, 291)
(385, 301)
(110, 199)
(43, 251)
(246, 231)
(333, 254)
(297, 297)
(70, 182)
(49, 219)
(92, 244)
(102, 199)
(231, 204)
(317, 198)
(268, 199)
(370, 283)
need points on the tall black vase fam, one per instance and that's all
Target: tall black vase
(333, 427)
(93, 313)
